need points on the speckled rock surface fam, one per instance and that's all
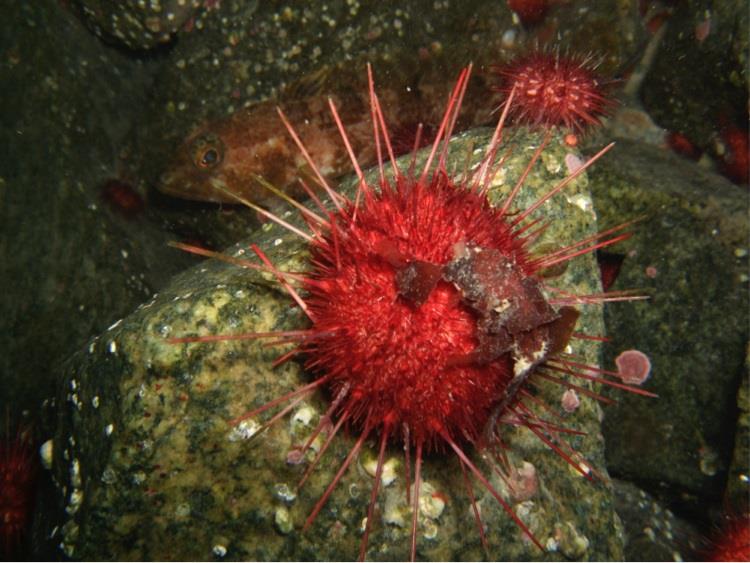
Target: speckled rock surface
(70, 267)
(696, 86)
(150, 466)
(738, 481)
(138, 25)
(652, 532)
(689, 254)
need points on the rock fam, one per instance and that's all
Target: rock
(71, 265)
(689, 255)
(738, 480)
(139, 25)
(699, 80)
(652, 532)
(145, 448)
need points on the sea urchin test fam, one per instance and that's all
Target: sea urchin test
(428, 313)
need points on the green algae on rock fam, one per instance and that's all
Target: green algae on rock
(738, 481)
(652, 532)
(146, 450)
(70, 267)
(690, 249)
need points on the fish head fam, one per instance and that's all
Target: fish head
(221, 161)
(197, 169)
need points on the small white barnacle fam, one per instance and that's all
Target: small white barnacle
(283, 520)
(303, 416)
(244, 430)
(46, 451)
(284, 492)
(583, 202)
(431, 502)
(430, 529)
(109, 429)
(112, 347)
(76, 498)
(75, 473)
(388, 471)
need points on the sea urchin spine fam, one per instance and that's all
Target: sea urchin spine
(428, 312)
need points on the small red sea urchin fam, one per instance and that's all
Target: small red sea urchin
(18, 469)
(732, 543)
(428, 314)
(530, 12)
(553, 91)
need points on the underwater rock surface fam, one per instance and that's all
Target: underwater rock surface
(149, 465)
(141, 25)
(652, 532)
(689, 254)
(70, 267)
(736, 494)
(698, 84)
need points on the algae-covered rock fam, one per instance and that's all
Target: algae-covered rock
(152, 463)
(738, 481)
(70, 266)
(653, 532)
(699, 80)
(140, 25)
(689, 255)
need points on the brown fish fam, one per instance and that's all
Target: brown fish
(220, 159)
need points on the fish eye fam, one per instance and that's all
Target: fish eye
(210, 157)
(207, 152)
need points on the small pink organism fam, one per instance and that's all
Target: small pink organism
(522, 482)
(573, 163)
(633, 367)
(570, 401)
(702, 30)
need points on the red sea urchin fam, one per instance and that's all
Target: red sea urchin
(428, 313)
(530, 12)
(18, 469)
(553, 91)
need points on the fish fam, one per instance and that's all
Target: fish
(222, 160)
